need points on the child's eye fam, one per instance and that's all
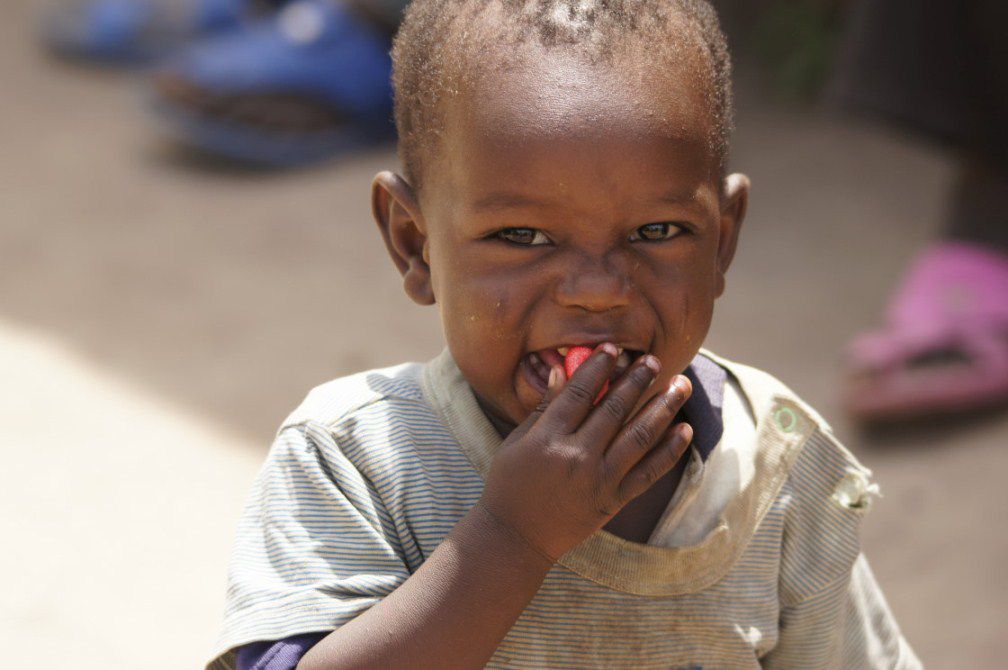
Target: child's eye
(526, 237)
(655, 232)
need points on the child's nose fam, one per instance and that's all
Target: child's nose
(594, 284)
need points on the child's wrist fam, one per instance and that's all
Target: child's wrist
(499, 532)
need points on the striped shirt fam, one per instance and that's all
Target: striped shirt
(372, 471)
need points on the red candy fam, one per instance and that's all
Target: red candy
(573, 360)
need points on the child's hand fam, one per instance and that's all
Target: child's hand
(570, 467)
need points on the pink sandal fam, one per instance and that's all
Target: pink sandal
(945, 346)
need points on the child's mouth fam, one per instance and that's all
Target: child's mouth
(536, 365)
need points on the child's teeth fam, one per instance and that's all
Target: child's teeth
(623, 360)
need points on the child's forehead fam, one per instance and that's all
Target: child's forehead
(571, 143)
(544, 115)
(559, 94)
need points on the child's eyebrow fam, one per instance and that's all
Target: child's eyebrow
(500, 200)
(506, 200)
(681, 196)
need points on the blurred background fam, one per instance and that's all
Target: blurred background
(181, 261)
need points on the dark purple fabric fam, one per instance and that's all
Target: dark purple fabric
(702, 411)
(282, 655)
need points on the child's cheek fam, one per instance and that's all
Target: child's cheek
(494, 323)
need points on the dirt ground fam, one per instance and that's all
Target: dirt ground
(160, 313)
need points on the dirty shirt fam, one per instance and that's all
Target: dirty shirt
(755, 563)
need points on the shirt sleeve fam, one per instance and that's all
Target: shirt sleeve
(847, 626)
(832, 614)
(315, 546)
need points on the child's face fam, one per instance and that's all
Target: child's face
(566, 207)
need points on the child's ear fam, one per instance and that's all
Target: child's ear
(397, 213)
(734, 202)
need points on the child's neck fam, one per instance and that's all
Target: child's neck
(502, 425)
(639, 517)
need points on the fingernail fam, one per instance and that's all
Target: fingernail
(681, 383)
(609, 348)
(677, 389)
(652, 363)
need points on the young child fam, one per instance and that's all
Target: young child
(564, 195)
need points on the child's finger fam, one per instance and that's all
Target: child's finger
(638, 436)
(656, 463)
(557, 377)
(572, 404)
(608, 417)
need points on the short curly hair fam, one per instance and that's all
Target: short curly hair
(441, 43)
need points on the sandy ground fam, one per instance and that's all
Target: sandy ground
(160, 314)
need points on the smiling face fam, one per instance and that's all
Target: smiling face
(567, 206)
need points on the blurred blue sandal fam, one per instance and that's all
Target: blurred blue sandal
(128, 32)
(307, 84)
